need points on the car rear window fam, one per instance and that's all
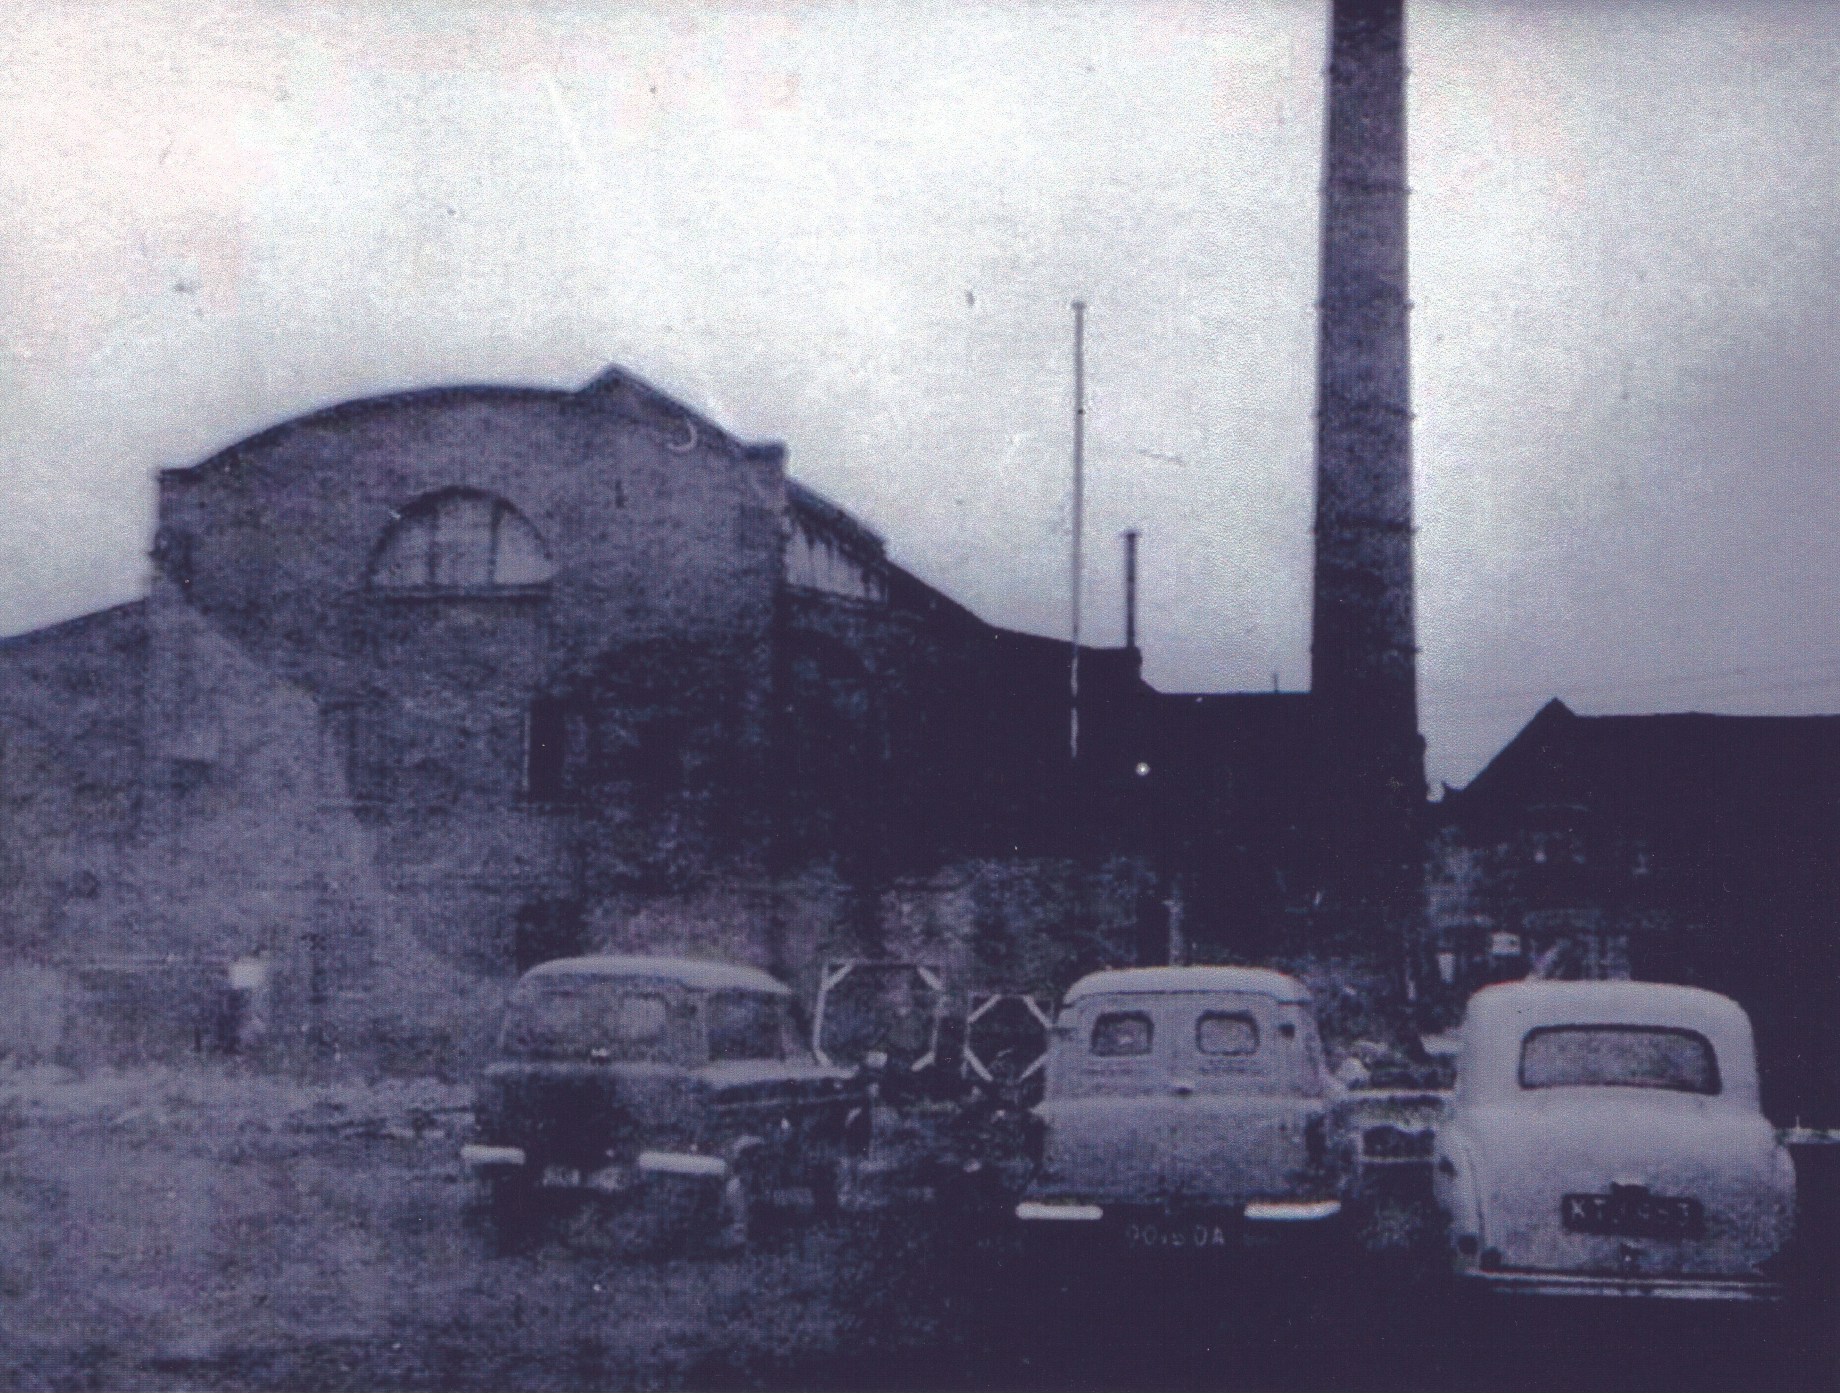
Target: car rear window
(743, 1025)
(1122, 1033)
(1618, 1056)
(1226, 1032)
(561, 1018)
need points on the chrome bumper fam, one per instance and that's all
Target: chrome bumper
(682, 1163)
(1636, 1288)
(480, 1157)
(1256, 1212)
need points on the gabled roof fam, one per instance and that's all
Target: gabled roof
(647, 403)
(1659, 763)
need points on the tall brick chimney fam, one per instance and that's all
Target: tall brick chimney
(1363, 647)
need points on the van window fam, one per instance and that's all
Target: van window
(567, 1017)
(745, 1025)
(1117, 1034)
(1226, 1032)
(1618, 1056)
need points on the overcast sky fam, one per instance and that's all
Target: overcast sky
(857, 227)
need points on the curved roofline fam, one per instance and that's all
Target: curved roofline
(1262, 981)
(697, 973)
(601, 385)
(359, 406)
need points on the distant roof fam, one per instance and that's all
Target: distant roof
(686, 972)
(1260, 980)
(1667, 764)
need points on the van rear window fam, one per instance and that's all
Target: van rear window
(1618, 1056)
(587, 1018)
(1226, 1032)
(1122, 1033)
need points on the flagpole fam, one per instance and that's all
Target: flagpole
(1079, 518)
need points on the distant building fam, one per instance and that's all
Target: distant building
(1683, 848)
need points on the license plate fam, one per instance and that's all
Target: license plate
(1169, 1234)
(563, 1177)
(1633, 1214)
(611, 1180)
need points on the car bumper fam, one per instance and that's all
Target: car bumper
(1258, 1212)
(486, 1159)
(1516, 1284)
(1172, 1230)
(476, 1156)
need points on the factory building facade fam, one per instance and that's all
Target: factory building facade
(430, 687)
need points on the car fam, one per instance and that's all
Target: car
(1606, 1139)
(680, 1084)
(1186, 1109)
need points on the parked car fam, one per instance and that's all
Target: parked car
(1186, 1108)
(1605, 1139)
(655, 1080)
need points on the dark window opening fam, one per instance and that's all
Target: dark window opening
(584, 1018)
(743, 1025)
(1223, 1032)
(1619, 1056)
(460, 539)
(1120, 1034)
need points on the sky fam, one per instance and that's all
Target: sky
(858, 228)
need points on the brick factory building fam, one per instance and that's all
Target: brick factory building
(432, 686)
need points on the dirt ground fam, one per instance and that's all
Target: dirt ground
(213, 1229)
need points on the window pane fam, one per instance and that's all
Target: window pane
(519, 559)
(1220, 1032)
(1619, 1056)
(744, 1026)
(560, 1018)
(463, 541)
(639, 1020)
(1122, 1033)
(406, 557)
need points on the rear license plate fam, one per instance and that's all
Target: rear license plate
(1633, 1214)
(562, 1177)
(1173, 1233)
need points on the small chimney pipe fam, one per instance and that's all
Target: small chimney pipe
(1130, 587)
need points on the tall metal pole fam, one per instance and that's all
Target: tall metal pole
(1130, 587)
(1079, 517)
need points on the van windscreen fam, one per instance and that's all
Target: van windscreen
(588, 1018)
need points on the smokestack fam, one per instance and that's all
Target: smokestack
(1363, 649)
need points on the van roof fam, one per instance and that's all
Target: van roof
(1261, 981)
(693, 973)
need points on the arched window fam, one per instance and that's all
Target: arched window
(460, 539)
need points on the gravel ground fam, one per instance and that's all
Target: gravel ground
(211, 1229)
